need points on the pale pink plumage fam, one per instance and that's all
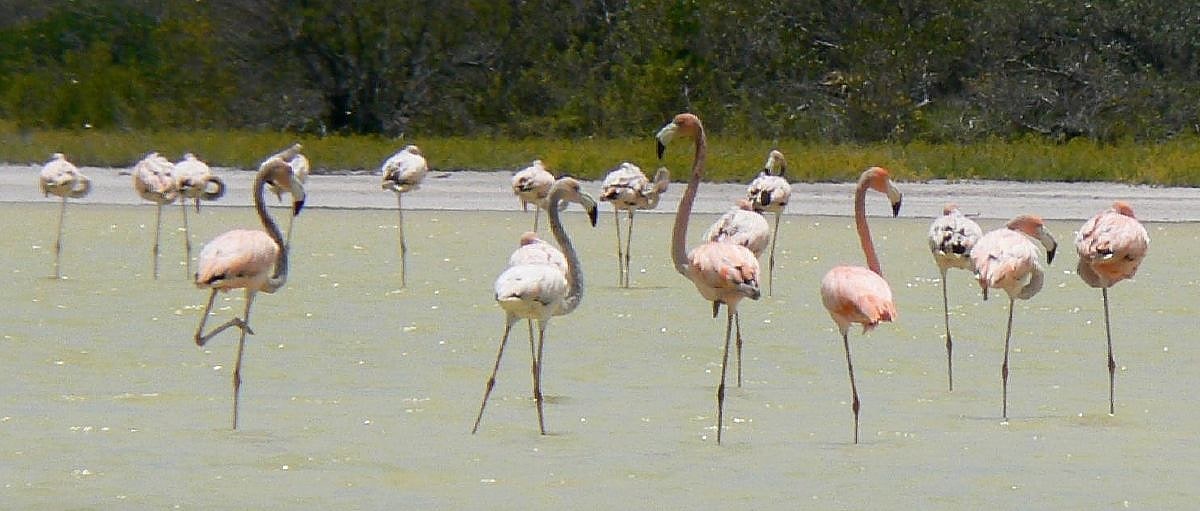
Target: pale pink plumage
(403, 173)
(952, 236)
(741, 226)
(628, 189)
(770, 191)
(60, 177)
(193, 179)
(153, 180)
(531, 185)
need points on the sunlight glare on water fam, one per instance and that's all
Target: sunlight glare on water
(358, 394)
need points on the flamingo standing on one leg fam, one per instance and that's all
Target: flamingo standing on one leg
(770, 191)
(951, 237)
(194, 178)
(403, 173)
(243, 259)
(628, 189)
(60, 177)
(722, 272)
(1007, 259)
(540, 290)
(740, 226)
(153, 179)
(300, 166)
(853, 294)
(1111, 246)
(532, 184)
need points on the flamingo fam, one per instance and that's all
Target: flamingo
(532, 184)
(538, 288)
(300, 166)
(193, 178)
(1111, 245)
(722, 272)
(60, 177)
(628, 189)
(153, 179)
(770, 191)
(951, 237)
(403, 173)
(1007, 259)
(853, 294)
(740, 226)
(243, 259)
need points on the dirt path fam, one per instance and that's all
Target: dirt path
(471, 190)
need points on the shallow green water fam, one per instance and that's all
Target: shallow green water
(358, 395)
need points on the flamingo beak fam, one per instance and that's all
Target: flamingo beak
(660, 148)
(1047, 241)
(664, 136)
(895, 197)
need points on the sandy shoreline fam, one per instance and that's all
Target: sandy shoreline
(489, 191)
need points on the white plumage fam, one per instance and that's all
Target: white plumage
(628, 189)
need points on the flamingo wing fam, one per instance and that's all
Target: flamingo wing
(1111, 247)
(724, 272)
(237, 259)
(951, 238)
(854, 294)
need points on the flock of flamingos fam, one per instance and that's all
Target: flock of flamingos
(543, 281)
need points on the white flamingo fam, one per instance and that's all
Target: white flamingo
(770, 191)
(740, 226)
(540, 290)
(951, 238)
(154, 180)
(532, 185)
(628, 189)
(296, 161)
(60, 177)
(403, 173)
(196, 181)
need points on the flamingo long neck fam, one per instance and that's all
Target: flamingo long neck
(574, 270)
(279, 278)
(860, 222)
(679, 235)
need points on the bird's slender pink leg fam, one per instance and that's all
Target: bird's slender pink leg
(771, 259)
(855, 405)
(737, 324)
(157, 229)
(628, 241)
(62, 213)
(187, 240)
(537, 375)
(403, 244)
(620, 260)
(1004, 367)
(491, 383)
(537, 211)
(237, 367)
(724, 364)
(1112, 364)
(949, 342)
(201, 339)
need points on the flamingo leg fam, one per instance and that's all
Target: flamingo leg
(201, 339)
(855, 405)
(737, 324)
(157, 230)
(724, 364)
(403, 244)
(508, 323)
(237, 367)
(537, 209)
(1004, 367)
(628, 241)
(949, 342)
(1112, 364)
(620, 260)
(537, 374)
(62, 213)
(187, 240)
(771, 258)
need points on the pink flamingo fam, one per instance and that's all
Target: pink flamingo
(741, 225)
(770, 191)
(193, 178)
(628, 189)
(722, 272)
(536, 286)
(532, 184)
(1007, 259)
(403, 173)
(853, 294)
(154, 180)
(242, 259)
(1111, 245)
(299, 165)
(60, 177)
(951, 237)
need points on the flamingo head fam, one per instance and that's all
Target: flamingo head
(776, 163)
(413, 149)
(949, 208)
(685, 124)
(879, 179)
(567, 189)
(1123, 208)
(1035, 227)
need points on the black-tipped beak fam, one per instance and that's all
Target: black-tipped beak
(1050, 255)
(297, 206)
(660, 148)
(593, 213)
(895, 209)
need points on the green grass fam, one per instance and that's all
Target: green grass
(1173, 163)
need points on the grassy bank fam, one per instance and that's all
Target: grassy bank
(1175, 163)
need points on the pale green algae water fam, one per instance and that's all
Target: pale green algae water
(358, 395)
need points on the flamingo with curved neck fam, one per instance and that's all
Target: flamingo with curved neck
(243, 259)
(539, 290)
(722, 272)
(853, 294)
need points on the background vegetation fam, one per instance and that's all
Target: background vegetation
(947, 88)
